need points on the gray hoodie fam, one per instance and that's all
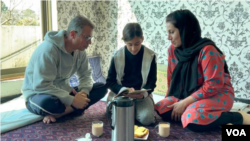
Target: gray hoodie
(51, 66)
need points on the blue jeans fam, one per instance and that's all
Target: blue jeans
(47, 104)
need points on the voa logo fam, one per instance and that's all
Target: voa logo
(236, 132)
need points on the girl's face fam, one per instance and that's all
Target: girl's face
(134, 45)
(173, 34)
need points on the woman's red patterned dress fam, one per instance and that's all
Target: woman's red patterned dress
(216, 95)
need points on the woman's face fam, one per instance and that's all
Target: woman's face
(134, 45)
(173, 34)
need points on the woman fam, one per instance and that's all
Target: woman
(133, 67)
(200, 92)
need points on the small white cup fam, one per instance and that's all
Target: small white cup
(97, 128)
(164, 129)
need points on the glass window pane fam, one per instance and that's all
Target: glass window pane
(20, 31)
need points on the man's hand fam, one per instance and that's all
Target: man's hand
(74, 91)
(178, 109)
(80, 100)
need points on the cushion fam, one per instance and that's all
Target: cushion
(95, 64)
(239, 106)
(161, 83)
(14, 114)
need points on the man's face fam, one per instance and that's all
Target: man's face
(84, 39)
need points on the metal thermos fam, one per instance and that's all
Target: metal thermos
(121, 113)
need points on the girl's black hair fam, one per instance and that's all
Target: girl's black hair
(130, 31)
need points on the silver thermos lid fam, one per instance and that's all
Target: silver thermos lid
(123, 101)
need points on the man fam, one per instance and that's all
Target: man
(46, 84)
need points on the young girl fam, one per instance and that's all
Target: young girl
(133, 67)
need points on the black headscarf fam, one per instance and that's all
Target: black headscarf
(184, 80)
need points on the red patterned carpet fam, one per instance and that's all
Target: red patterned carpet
(71, 128)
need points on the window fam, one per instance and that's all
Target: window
(23, 24)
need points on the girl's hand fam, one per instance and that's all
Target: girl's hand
(131, 90)
(135, 96)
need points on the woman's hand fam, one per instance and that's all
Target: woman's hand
(178, 109)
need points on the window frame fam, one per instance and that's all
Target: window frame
(46, 25)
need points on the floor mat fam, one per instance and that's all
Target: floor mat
(71, 128)
(15, 115)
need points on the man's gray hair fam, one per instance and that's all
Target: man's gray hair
(77, 24)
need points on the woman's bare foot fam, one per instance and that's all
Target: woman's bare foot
(246, 118)
(48, 119)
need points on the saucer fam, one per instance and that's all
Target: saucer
(144, 138)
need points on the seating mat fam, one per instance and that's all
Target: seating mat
(14, 114)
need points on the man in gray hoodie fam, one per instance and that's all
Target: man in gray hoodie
(46, 85)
